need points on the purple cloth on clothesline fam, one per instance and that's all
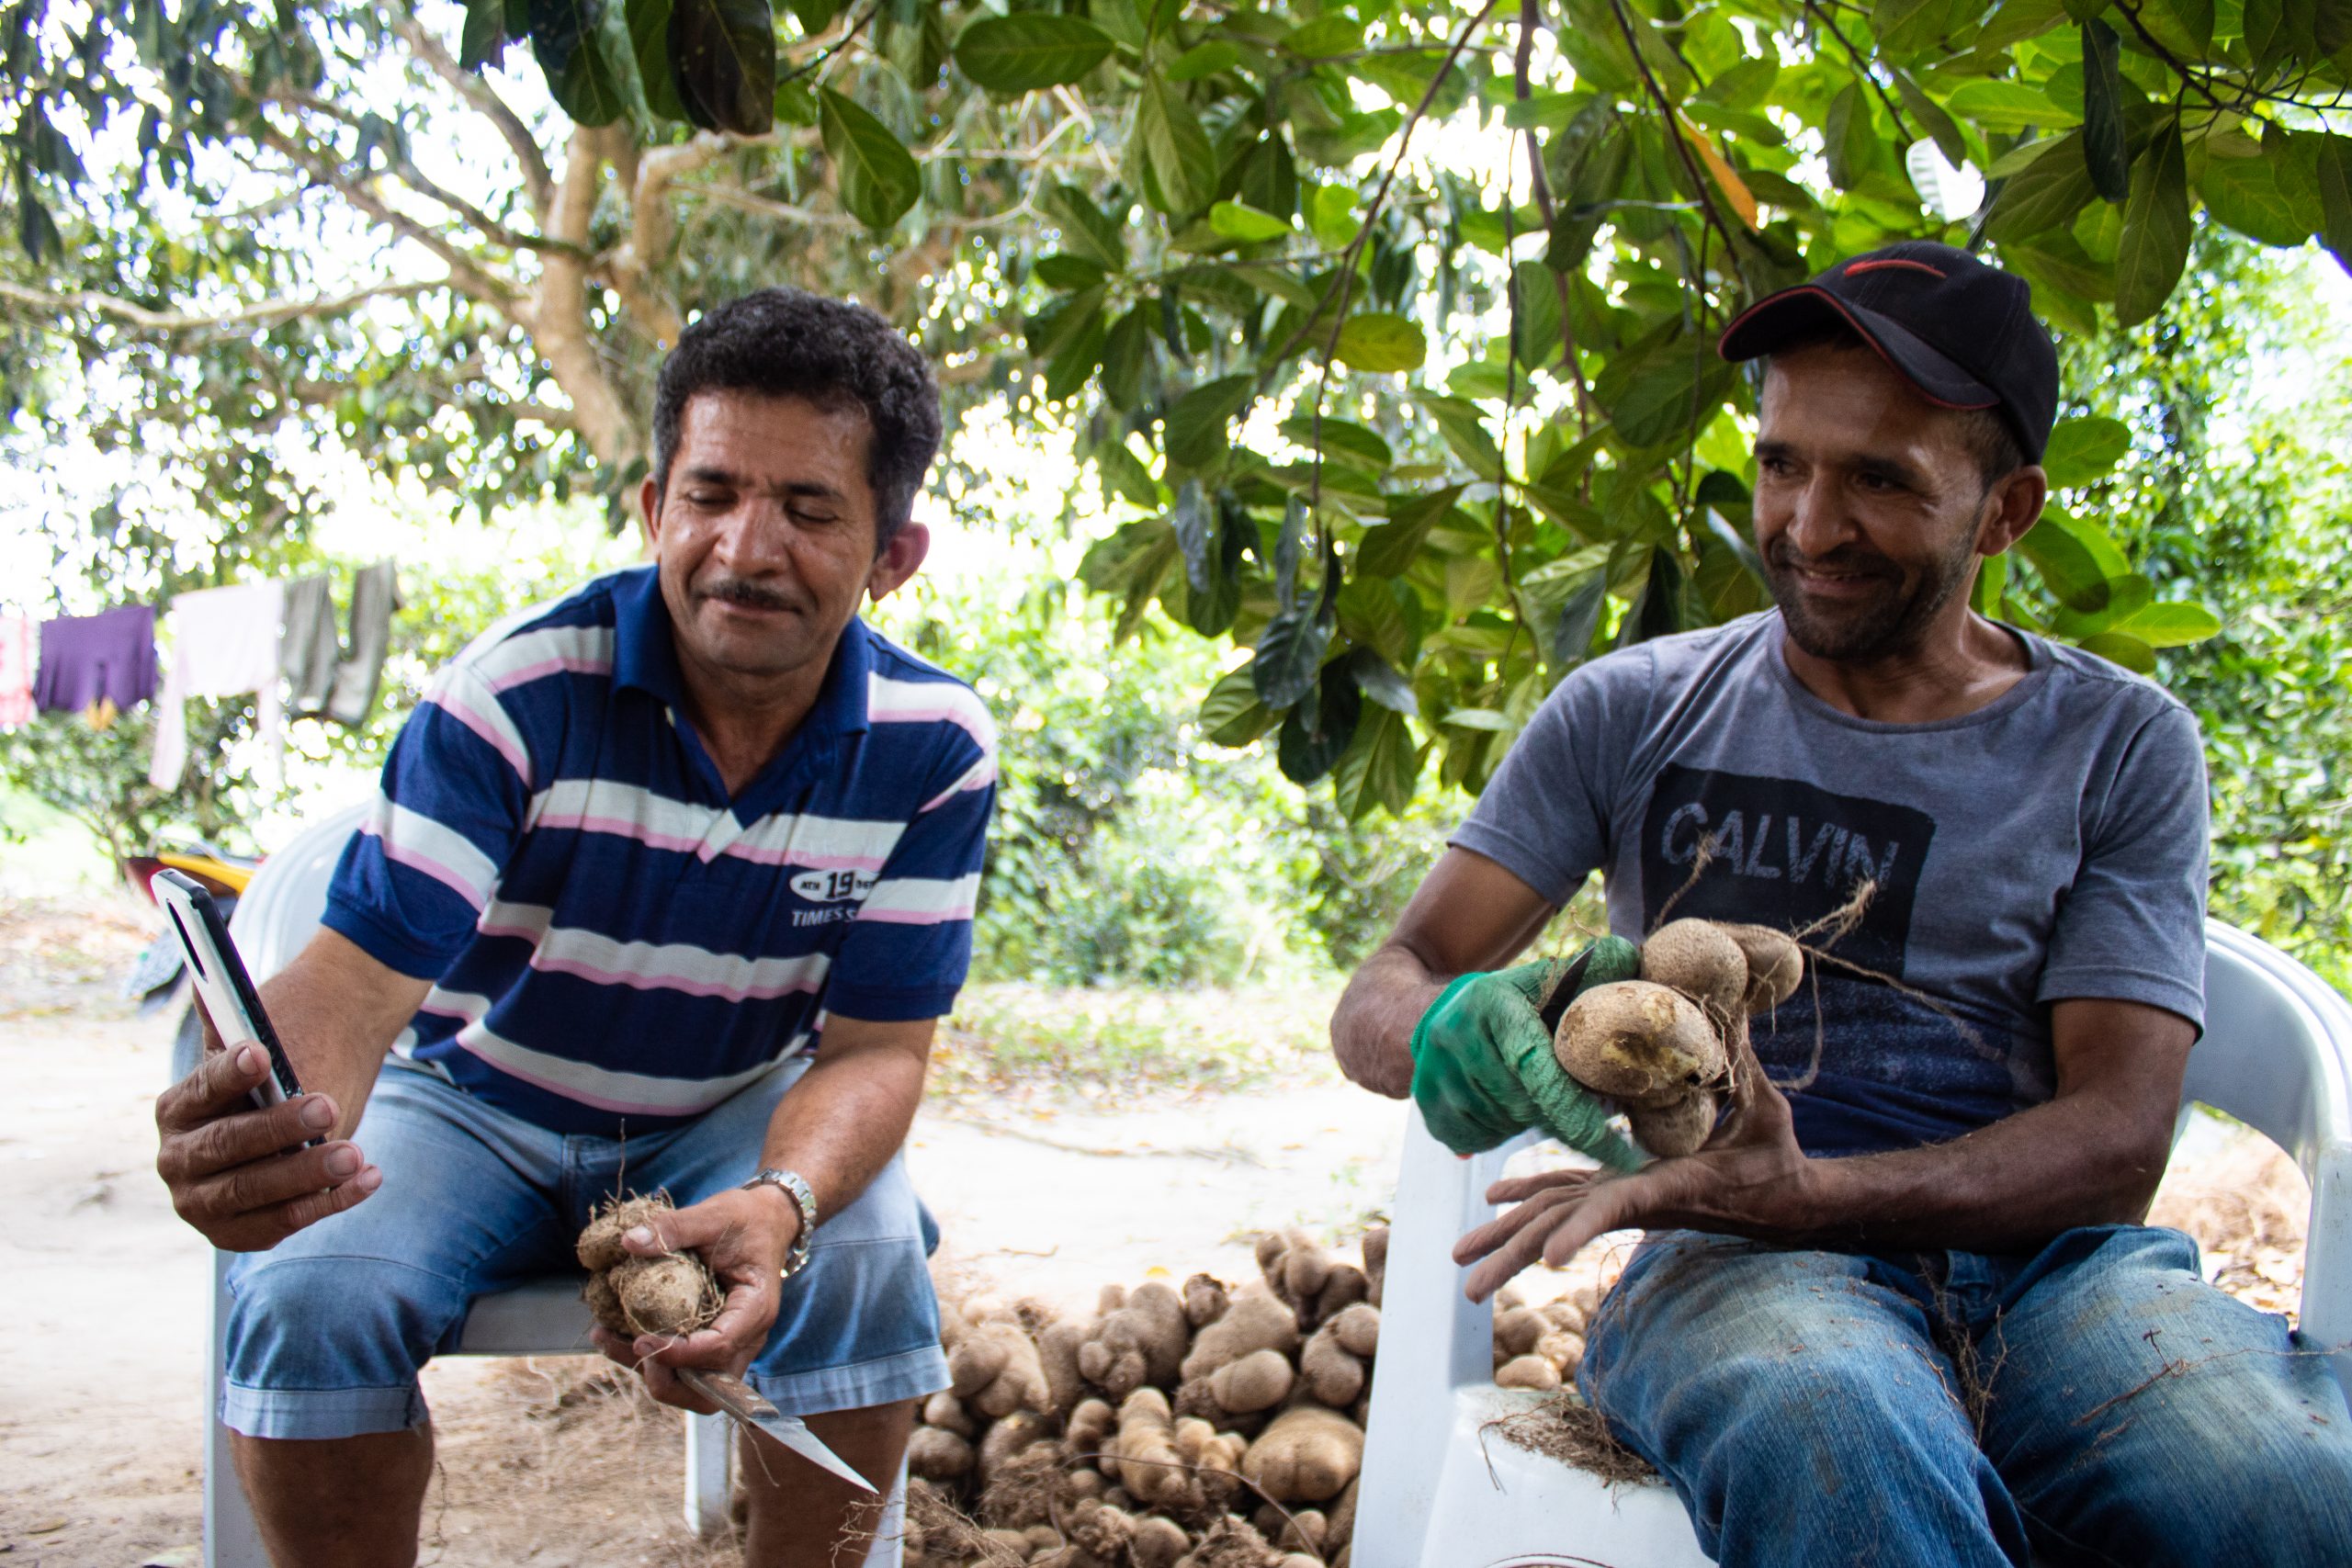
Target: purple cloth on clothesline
(83, 658)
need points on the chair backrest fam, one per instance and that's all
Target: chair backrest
(280, 908)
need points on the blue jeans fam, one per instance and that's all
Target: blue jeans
(327, 1330)
(2094, 1402)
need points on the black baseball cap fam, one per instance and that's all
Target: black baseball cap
(1960, 331)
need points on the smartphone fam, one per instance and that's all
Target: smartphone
(223, 989)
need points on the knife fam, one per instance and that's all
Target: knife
(749, 1407)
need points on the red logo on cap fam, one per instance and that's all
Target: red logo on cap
(1854, 267)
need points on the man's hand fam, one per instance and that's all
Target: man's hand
(1483, 1067)
(743, 1235)
(241, 1176)
(1751, 1179)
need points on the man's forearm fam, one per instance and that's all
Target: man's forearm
(336, 1011)
(2078, 1160)
(1371, 1029)
(845, 1119)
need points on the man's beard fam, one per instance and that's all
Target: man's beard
(1892, 624)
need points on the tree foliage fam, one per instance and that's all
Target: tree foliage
(1394, 322)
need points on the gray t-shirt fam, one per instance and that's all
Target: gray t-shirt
(2049, 844)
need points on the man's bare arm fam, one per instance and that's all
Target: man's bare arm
(2092, 1155)
(1468, 914)
(336, 1011)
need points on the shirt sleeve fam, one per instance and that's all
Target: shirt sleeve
(1544, 817)
(906, 955)
(448, 812)
(2132, 927)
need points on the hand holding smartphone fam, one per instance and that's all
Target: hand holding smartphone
(223, 988)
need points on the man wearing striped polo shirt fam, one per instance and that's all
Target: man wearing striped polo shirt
(669, 883)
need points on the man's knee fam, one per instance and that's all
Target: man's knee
(330, 1346)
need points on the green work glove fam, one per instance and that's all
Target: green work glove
(1483, 1068)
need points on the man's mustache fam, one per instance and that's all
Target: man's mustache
(744, 590)
(1860, 562)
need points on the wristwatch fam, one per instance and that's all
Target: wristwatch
(804, 1200)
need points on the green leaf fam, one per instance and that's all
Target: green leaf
(1459, 423)
(1122, 473)
(2067, 567)
(815, 15)
(2050, 193)
(2103, 142)
(1905, 27)
(1342, 436)
(1381, 342)
(1127, 354)
(1087, 230)
(2154, 246)
(1203, 60)
(1176, 148)
(1377, 679)
(2170, 626)
(1231, 714)
(1654, 388)
(1579, 620)
(2332, 164)
(1247, 225)
(1846, 137)
(2117, 648)
(722, 62)
(2006, 105)
(1389, 549)
(1028, 51)
(2082, 450)
(1196, 422)
(878, 177)
(1290, 651)
(1380, 767)
(1932, 116)
(649, 37)
(1315, 735)
(2183, 27)
(2263, 190)
(563, 37)
(36, 230)
(484, 38)
(1325, 37)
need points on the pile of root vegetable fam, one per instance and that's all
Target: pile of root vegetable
(1205, 1425)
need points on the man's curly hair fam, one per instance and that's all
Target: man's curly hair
(785, 342)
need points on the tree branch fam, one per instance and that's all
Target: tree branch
(267, 314)
(466, 274)
(557, 313)
(537, 181)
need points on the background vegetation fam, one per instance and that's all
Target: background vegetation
(1380, 335)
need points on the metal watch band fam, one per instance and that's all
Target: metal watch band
(803, 1198)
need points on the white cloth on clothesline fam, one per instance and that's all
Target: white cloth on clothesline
(225, 643)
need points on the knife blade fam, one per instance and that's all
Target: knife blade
(750, 1407)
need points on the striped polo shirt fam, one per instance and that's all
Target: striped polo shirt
(612, 940)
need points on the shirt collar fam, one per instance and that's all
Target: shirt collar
(645, 655)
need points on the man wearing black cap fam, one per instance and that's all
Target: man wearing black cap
(1905, 1312)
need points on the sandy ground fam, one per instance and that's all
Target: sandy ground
(557, 1460)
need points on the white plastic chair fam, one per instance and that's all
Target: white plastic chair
(278, 915)
(2277, 1055)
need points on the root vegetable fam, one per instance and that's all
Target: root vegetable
(945, 1411)
(997, 1370)
(1205, 1299)
(1775, 965)
(1640, 1041)
(1357, 1329)
(1332, 1375)
(937, 1454)
(1140, 1343)
(1528, 1371)
(1702, 960)
(1307, 1455)
(1158, 1542)
(1375, 1262)
(599, 1246)
(1089, 1428)
(1255, 1321)
(1679, 1127)
(1006, 1438)
(1058, 1357)
(672, 1295)
(1258, 1380)
(1517, 1331)
(1563, 1349)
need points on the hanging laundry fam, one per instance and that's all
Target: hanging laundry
(225, 643)
(375, 594)
(15, 670)
(83, 658)
(308, 648)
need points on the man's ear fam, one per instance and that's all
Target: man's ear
(649, 513)
(900, 560)
(2014, 506)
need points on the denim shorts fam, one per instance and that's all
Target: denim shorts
(327, 1330)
